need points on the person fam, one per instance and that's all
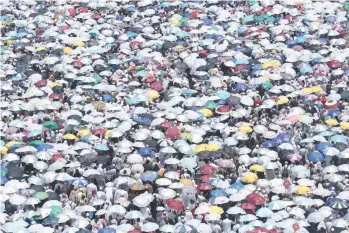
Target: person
(226, 224)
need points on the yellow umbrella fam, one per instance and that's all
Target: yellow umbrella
(206, 112)
(307, 90)
(83, 132)
(67, 50)
(69, 137)
(55, 85)
(78, 43)
(303, 190)
(40, 48)
(272, 63)
(4, 151)
(9, 42)
(186, 182)
(344, 125)
(11, 143)
(245, 129)
(106, 134)
(282, 100)
(153, 94)
(257, 168)
(332, 122)
(213, 147)
(317, 89)
(178, 47)
(200, 148)
(250, 178)
(174, 22)
(215, 210)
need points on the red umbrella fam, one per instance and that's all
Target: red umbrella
(134, 231)
(99, 131)
(56, 96)
(41, 83)
(255, 199)
(166, 124)
(205, 186)
(275, 231)
(223, 109)
(202, 53)
(205, 178)
(239, 68)
(249, 207)
(135, 43)
(173, 133)
(77, 63)
(96, 16)
(334, 64)
(207, 169)
(72, 11)
(175, 204)
(56, 157)
(259, 230)
(149, 79)
(83, 9)
(65, 27)
(157, 86)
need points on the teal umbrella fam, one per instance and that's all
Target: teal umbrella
(101, 147)
(248, 19)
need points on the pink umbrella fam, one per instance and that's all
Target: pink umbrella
(173, 133)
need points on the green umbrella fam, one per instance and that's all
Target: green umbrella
(346, 6)
(345, 95)
(41, 196)
(35, 143)
(50, 125)
(252, 2)
(211, 105)
(2, 50)
(267, 85)
(55, 210)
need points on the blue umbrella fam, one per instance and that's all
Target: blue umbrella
(237, 185)
(101, 147)
(131, 8)
(316, 156)
(241, 87)
(133, 101)
(207, 21)
(4, 180)
(17, 77)
(145, 151)
(331, 200)
(217, 193)
(300, 39)
(143, 119)
(43, 147)
(268, 144)
(339, 139)
(277, 140)
(291, 43)
(322, 146)
(331, 18)
(83, 231)
(223, 95)
(333, 112)
(148, 176)
(182, 34)
(184, 5)
(306, 69)
(81, 182)
(285, 137)
(107, 230)
(248, 19)
(241, 62)
(106, 98)
(326, 133)
(131, 34)
(165, 4)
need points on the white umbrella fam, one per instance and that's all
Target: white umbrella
(167, 228)
(166, 193)
(85, 208)
(16, 199)
(149, 226)
(134, 214)
(315, 217)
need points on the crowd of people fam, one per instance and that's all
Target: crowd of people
(210, 116)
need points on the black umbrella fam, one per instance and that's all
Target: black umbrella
(232, 100)
(180, 66)
(15, 172)
(168, 45)
(103, 160)
(340, 146)
(38, 188)
(53, 196)
(88, 159)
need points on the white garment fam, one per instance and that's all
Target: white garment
(226, 224)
